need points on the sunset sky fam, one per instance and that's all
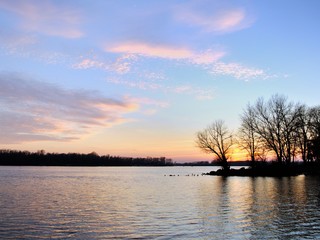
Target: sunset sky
(140, 78)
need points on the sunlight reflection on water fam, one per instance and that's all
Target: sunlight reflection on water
(143, 203)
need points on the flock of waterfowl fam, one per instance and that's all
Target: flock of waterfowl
(188, 175)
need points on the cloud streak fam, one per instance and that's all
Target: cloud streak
(33, 110)
(213, 17)
(166, 52)
(225, 22)
(149, 50)
(209, 60)
(197, 92)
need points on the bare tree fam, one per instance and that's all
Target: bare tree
(248, 138)
(266, 127)
(216, 139)
(276, 123)
(314, 134)
(303, 131)
(285, 129)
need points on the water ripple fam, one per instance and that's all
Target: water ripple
(141, 203)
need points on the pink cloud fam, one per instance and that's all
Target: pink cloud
(123, 64)
(213, 17)
(45, 17)
(32, 110)
(151, 50)
(167, 52)
(228, 20)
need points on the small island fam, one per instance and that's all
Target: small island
(281, 138)
(270, 169)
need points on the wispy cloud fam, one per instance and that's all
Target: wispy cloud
(213, 16)
(89, 63)
(149, 50)
(147, 101)
(45, 17)
(197, 92)
(207, 57)
(239, 71)
(167, 52)
(121, 65)
(29, 46)
(224, 22)
(33, 110)
(140, 84)
(153, 76)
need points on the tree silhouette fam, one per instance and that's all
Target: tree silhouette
(314, 134)
(276, 124)
(303, 131)
(216, 139)
(248, 139)
(276, 128)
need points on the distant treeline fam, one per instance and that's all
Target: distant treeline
(41, 158)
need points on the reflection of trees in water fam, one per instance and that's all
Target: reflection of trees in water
(284, 207)
(213, 208)
(291, 214)
(261, 207)
(224, 206)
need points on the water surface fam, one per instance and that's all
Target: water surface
(146, 203)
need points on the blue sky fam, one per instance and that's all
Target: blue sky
(140, 78)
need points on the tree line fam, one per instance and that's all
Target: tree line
(277, 129)
(41, 158)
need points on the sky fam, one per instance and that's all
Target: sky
(141, 78)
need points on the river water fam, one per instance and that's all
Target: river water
(147, 203)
